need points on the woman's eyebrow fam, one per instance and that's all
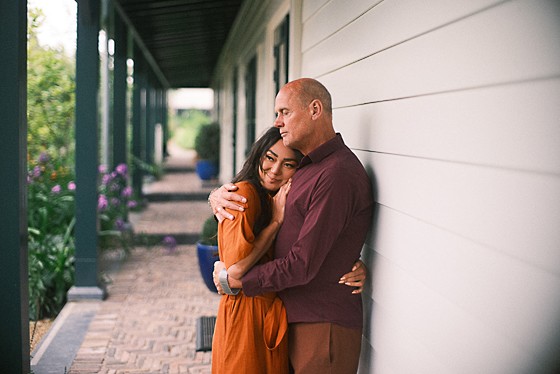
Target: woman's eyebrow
(271, 151)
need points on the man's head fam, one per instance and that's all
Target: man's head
(304, 114)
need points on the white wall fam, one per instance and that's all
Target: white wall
(454, 108)
(252, 35)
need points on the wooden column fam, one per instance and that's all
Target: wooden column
(120, 149)
(87, 154)
(14, 329)
(138, 119)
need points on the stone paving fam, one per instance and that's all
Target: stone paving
(148, 322)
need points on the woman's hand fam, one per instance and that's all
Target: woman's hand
(356, 278)
(218, 266)
(279, 202)
(224, 197)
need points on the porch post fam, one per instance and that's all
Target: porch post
(119, 94)
(87, 153)
(138, 120)
(164, 119)
(150, 119)
(14, 295)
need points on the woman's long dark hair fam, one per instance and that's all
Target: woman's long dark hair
(250, 173)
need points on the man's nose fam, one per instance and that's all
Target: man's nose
(278, 122)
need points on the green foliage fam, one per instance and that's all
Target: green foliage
(207, 142)
(209, 234)
(50, 97)
(185, 125)
(154, 170)
(51, 221)
(50, 195)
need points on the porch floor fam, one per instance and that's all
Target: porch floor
(147, 324)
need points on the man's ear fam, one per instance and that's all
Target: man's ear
(316, 108)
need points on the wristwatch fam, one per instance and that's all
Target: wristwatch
(223, 278)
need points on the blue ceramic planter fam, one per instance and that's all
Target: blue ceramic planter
(207, 255)
(206, 169)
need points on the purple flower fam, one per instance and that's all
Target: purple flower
(71, 186)
(114, 187)
(121, 169)
(102, 169)
(102, 203)
(170, 243)
(43, 158)
(29, 180)
(132, 204)
(106, 179)
(56, 189)
(36, 171)
(126, 192)
(119, 224)
(115, 201)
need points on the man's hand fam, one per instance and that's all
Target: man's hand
(224, 197)
(356, 278)
(218, 266)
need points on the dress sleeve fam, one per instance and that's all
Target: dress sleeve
(235, 238)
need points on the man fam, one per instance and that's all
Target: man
(328, 214)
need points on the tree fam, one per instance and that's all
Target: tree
(50, 97)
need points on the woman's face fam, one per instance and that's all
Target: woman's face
(277, 166)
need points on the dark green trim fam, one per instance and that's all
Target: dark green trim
(14, 329)
(87, 87)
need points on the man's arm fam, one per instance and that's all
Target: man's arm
(355, 278)
(224, 197)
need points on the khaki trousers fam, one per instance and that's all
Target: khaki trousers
(323, 348)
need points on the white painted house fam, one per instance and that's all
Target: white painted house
(453, 107)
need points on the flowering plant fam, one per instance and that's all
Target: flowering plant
(50, 187)
(114, 201)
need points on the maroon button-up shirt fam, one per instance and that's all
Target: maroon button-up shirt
(328, 214)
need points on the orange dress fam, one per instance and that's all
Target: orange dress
(250, 336)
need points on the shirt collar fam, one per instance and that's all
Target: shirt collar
(321, 152)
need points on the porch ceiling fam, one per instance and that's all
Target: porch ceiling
(185, 37)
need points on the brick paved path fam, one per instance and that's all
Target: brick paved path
(148, 322)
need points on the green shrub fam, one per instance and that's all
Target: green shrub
(207, 142)
(185, 125)
(209, 234)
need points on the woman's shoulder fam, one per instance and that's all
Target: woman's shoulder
(247, 190)
(246, 186)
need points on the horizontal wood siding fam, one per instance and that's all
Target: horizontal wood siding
(454, 109)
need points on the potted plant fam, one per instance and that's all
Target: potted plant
(207, 147)
(207, 251)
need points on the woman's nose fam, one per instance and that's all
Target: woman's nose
(275, 169)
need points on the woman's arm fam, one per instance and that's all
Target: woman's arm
(266, 237)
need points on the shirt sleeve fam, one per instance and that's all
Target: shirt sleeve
(236, 237)
(329, 212)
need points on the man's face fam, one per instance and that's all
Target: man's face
(292, 120)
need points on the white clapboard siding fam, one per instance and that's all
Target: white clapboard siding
(330, 18)
(310, 7)
(514, 212)
(506, 43)
(453, 108)
(387, 24)
(473, 277)
(511, 126)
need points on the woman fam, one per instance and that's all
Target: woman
(250, 333)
